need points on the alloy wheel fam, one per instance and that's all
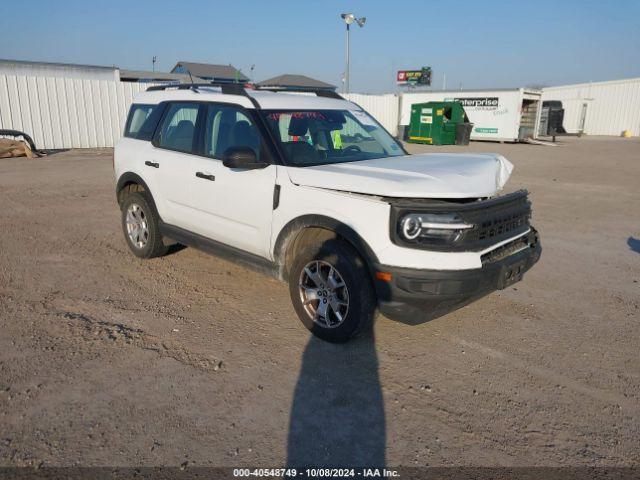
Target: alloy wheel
(324, 294)
(137, 226)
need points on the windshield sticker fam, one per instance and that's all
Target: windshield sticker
(363, 118)
(314, 115)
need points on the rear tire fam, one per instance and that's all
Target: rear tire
(141, 227)
(331, 291)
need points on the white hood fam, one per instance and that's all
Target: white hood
(433, 175)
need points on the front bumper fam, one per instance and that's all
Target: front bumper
(416, 295)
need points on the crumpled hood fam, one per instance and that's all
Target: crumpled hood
(433, 175)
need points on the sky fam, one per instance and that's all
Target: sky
(475, 44)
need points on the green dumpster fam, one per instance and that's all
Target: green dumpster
(435, 123)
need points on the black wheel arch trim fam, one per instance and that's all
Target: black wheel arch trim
(130, 177)
(298, 224)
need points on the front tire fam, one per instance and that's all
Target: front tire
(141, 227)
(331, 291)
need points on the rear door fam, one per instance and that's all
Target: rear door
(232, 206)
(173, 152)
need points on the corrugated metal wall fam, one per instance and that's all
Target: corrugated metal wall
(79, 113)
(384, 108)
(43, 69)
(66, 112)
(611, 107)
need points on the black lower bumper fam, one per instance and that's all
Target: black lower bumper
(415, 296)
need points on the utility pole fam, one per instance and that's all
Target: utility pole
(346, 68)
(349, 18)
(153, 61)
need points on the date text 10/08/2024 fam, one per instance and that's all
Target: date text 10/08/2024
(316, 472)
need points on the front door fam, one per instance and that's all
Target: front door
(231, 206)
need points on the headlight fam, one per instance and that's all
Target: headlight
(435, 228)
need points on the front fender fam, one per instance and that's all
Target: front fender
(344, 231)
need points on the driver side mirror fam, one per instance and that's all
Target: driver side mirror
(243, 158)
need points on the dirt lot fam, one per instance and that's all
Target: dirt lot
(109, 360)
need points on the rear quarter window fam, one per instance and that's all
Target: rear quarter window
(141, 122)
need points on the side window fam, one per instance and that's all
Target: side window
(138, 114)
(178, 127)
(228, 127)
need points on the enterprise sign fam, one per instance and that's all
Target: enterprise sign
(490, 102)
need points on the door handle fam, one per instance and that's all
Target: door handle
(152, 164)
(206, 176)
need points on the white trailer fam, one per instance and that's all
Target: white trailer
(508, 115)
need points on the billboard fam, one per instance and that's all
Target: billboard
(414, 77)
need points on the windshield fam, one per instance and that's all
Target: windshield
(321, 137)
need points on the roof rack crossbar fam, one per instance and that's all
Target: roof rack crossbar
(241, 89)
(225, 87)
(180, 86)
(319, 92)
(329, 94)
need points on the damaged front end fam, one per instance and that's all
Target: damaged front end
(471, 225)
(497, 230)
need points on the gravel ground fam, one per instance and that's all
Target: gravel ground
(110, 360)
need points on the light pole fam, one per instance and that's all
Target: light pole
(349, 18)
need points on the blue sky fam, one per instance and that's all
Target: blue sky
(476, 43)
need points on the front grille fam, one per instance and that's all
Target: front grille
(502, 225)
(494, 220)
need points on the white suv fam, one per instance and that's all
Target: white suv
(311, 189)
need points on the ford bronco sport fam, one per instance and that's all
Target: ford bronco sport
(311, 189)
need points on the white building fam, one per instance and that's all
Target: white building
(599, 108)
(57, 70)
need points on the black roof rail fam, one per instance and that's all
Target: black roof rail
(226, 88)
(319, 92)
(230, 88)
(241, 89)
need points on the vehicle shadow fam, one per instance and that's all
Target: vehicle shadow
(337, 417)
(174, 248)
(634, 244)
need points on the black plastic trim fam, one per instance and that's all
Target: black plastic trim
(228, 88)
(471, 212)
(417, 295)
(219, 249)
(276, 196)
